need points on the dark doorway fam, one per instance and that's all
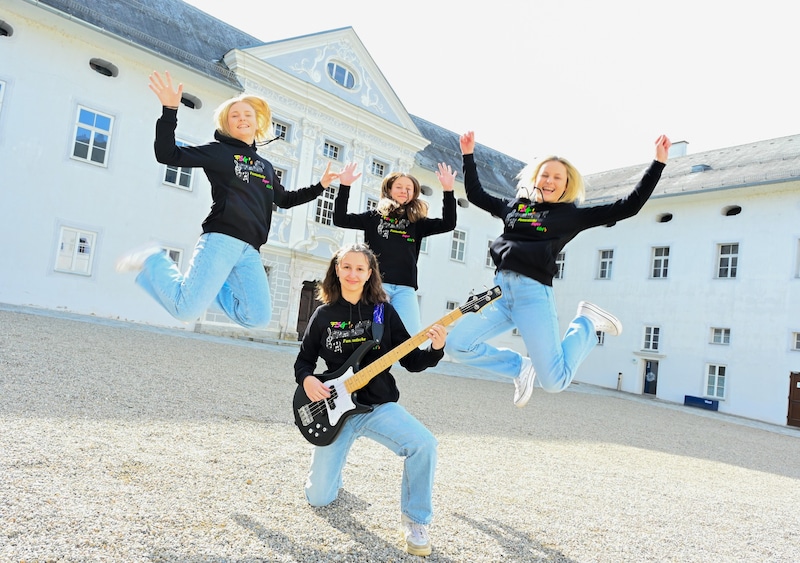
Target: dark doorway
(650, 376)
(793, 418)
(308, 304)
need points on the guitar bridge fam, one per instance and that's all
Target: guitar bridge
(305, 415)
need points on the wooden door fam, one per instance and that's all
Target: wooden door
(793, 418)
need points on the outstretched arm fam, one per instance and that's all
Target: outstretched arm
(467, 142)
(348, 174)
(168, 95)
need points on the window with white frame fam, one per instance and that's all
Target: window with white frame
(342, 75)
(606, 260)
(179, 177)
(450, 306)
(75, 251)
(175, 254)
(280, 175)
(652, 335)
(715, 381)
(423, 245)
(372, 204)
(458, 245)
(92, 136)
(560, 261)
(280, 130)
(489, 263)
(796, 341)
(728, 260)
(331, 150)
(324, 213)
(601, 337)
(720, 336)
(660, 261)
(378, 168)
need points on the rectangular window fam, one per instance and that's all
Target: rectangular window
(179, 177)
(423, 246)
(560, 260)
(728, 260)
(92, 136)
(378, 168)
(489, 262)
(660, 261)
(601, 337)
(451, 306)
(458, 245)
(175, 254)
(715, 382)
(720, 336)
(652, 334)
(372, 204)
(796, 341)
(280, 131)
(75, 251)
(324, 212)
(606, 259)
(280, 175)
(329, 150)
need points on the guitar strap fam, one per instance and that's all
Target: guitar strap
(377, 322)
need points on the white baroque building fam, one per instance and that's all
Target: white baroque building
(705, 278)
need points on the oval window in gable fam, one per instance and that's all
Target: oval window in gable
(342, 75)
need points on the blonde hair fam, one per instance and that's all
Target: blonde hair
(576, 189)
(414, 210)
(259, 105)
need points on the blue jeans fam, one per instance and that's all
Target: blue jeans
(224, 271)
(530, 306)
(391, 425)
(404, 299)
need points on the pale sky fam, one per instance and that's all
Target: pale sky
(593, 81)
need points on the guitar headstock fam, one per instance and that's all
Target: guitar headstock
(477, 302)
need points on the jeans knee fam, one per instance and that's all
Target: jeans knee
(257, 319)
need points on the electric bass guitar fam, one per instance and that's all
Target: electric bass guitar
(320, 421)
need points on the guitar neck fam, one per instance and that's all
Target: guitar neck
(364, 376)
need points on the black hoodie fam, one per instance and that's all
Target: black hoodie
(336, 330)
(243, 185)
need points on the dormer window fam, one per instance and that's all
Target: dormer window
(342, 75)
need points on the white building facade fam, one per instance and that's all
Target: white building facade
(706, 279)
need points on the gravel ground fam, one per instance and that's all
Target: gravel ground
(121, 442)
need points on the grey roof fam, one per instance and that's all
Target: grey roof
(171, 28)
(762, 162)
(497, 171)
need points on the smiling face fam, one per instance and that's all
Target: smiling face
(402, 190)
(551, 182)
(353, 272)
(242, 122)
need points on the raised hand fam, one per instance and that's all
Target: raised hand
(328, 176)
(447, 176)
(662, 148)
(167, 95)
(467, 142)
(348, 174)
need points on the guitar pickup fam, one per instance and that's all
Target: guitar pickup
(305, 414)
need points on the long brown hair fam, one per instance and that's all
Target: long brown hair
(414, 210)
(329, 290)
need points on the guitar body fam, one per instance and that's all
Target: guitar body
(321, 421)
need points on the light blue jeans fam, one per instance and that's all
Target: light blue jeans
(224, 271)
(404, 299)
(530, 306)
(391, 425)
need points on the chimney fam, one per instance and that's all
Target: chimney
(678, 149)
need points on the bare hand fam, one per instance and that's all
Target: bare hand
(467, 142)
(437, 335)
(348, 174)
(168, 96)
(328, 176)
(447, 176)
(662, 148)
(315, 389)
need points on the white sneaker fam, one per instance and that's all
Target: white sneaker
(416, 536)
(133, 260)
(603, 320)
(523, 385)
